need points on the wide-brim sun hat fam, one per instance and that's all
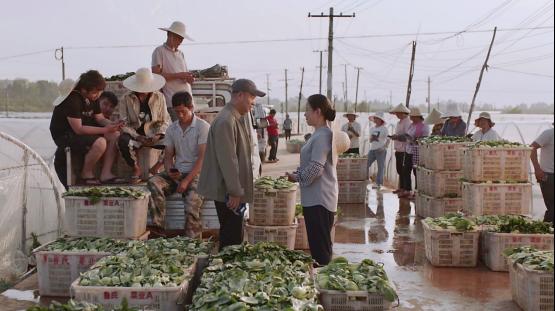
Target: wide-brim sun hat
(434, 117)
(64, 89)
(453, 112)
(350, 113)
(400, 109)
(179, 29)
(144, 81)
(380, 115)
(415, 112)
(484, 115)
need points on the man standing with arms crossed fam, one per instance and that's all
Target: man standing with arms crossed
(227, 174)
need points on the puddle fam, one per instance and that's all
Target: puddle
(27, 295)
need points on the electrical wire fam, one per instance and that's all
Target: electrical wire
(523, 72)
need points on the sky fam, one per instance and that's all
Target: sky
(257, 39)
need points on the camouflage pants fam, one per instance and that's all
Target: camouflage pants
(161, 186)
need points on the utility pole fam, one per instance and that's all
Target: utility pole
(344, 92)
(356, 93)
(286, 94)
(411, 74)
(330, 46)
(346, 95)
(320, 67)
(390, 98)
(268, 88)
(7, 101)
(59, 55)
(429, 99)
(299, 104)
(484, 67)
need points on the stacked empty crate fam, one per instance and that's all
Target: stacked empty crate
(272, 215)
(439, 176)
(352, 176)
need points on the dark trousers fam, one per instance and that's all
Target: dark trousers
(404, 167)
(60, 165)
(319, 222)
(273, 141)
(287, 134)
(548, 196)
(231, 225)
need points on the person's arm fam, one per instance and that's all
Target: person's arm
(318, 158)
(80, 129)
(169, 153)
(356, 130)
(540, 174)
(157, 68)
(165, 115)
(184, 184)
(100, 119)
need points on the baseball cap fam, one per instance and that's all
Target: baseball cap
(246, 85)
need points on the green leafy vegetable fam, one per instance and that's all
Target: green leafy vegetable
(531, 258)
(296, 142)
(72, 305)
(268, 182)
(444, 140)
(119, 77)
(88, 244)
(96, 193)
(504, 144)
(451, 222)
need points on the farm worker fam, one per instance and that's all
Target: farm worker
(273, 136)
(353, 129)
(108, 102)
(317, 176)
(169, 61)
(227, 172)
(287, 127)
(402, 159)
(185, 146)
(486, 132)
(434, 119)
(378, 145)
(145, 112)
(454, 126)
(544, 169)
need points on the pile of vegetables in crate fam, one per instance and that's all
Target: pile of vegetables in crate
(296, 142)
(268, 182)
(80, 306)
(88, 244)
(444, 140)
(455, 222)
(351, 156)
(367, 276)
(95, 193)
(496, 144)
(153, 263)
(532, 258)
(514, 224)
(263, 276)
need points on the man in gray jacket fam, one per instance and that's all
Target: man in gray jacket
(226, 176)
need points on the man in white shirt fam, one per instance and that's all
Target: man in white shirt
(486, 132)
(378, 145)
(169, 62)
(544, 169)
(402, 158)
(353, 129)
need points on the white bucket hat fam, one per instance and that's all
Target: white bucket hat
(484, 115)
(350, 112)
(144, 81)
(64, 89)
(178, 28)
(400, 108)
(380, 115)
(434, 117)
(453, 112)
(415, 112)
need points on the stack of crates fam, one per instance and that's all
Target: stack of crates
(352, 176)
(272, 217)
(497, 181)
(439, 175)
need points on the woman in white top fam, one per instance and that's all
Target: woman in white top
(486, 132)
(378, 145)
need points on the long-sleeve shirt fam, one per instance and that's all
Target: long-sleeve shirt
(490, 135)
(450, 130)
(401, 129)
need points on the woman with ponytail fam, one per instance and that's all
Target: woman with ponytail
(317, 177)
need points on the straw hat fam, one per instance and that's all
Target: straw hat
(484, 115)
(64, 89)
(144, 81)
(178, 28)
(380, 115)
(350, 112)
(400, 108)
(453, 112)
(434, 117)
(415, 112)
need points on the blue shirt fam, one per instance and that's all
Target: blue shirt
(450, 130)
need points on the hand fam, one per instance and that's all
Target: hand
(174, 175)
(112, 128)
(292, 177)
(183, 185)
(233, 202)
(540, 174)
(188, 77)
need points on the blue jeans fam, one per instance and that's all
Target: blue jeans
(378, 155)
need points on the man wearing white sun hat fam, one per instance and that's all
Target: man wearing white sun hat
(169, 61)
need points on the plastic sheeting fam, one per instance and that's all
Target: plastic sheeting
(30, 203)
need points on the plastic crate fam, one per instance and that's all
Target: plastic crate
(483, 164)
(446, 248)
(57, 270)
(439, 184)
(497, 199)
(333, 300)
(427, 206)
(120, 218)
(442, 156)
(282, 235)
(531, 290)
(352, 168)
(493, 245)
(273, 207)
(352, 191)
(143, 298)
(301, 238)
(293, 148)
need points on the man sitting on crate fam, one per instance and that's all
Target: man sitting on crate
(185, 143)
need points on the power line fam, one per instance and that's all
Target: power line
(523, 72)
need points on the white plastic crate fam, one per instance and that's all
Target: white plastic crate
(273, 207)
(497, 199)
(446, 248)
(301, 238)
(531, 290)
(120, 218)
(442, 156)
(494, 244)
(483, 164)
(352, 168)
(352, 191)
(427, 206)
(439, 184)
(333, 300)
(282, 235)
(143, 298)
(293, 148)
